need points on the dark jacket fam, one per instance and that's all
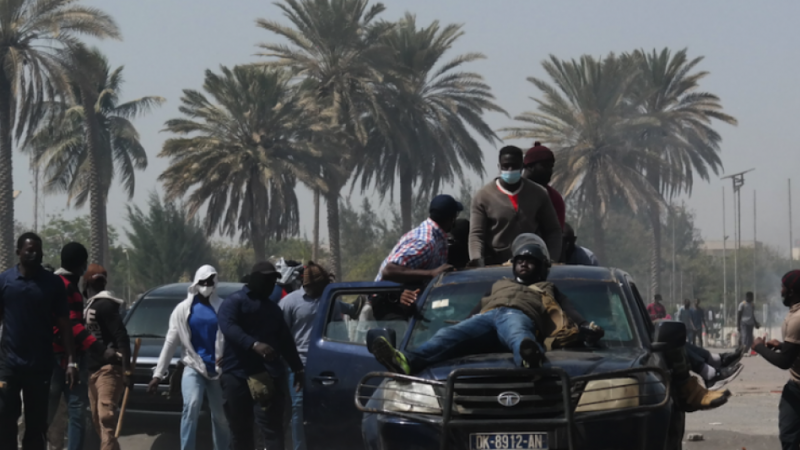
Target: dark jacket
(511, 294)
(244, 320)
(104, 321)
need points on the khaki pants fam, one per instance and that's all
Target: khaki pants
(105, 392)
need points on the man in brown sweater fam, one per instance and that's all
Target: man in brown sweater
(507, 207)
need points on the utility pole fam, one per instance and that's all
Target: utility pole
(724, 265)
(791, 240)
(755, 248)
(672, 279)
(738, 182)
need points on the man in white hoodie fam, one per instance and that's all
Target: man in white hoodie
(194, 326)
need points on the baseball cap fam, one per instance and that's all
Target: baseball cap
(265, 267)
(446, 205)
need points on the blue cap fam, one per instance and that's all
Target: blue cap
(445, 205)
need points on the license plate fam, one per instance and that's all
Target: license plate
(508, 441)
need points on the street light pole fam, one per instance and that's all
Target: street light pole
(738, 182)
(724, 265)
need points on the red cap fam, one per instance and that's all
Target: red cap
(538, 153)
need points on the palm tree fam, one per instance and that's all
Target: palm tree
(241, 153)
(32, 33)
(166, 244)
(587, 117)
(89, 138)
(336, 46)
(431, 110)
(680, 135)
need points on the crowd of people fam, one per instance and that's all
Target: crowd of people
(63, 336)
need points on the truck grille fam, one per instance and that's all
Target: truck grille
(529, 396)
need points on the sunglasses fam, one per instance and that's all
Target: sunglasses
(206, 283)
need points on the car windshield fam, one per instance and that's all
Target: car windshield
(600, 302)
(150, 318)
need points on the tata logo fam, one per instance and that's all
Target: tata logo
(508, 399)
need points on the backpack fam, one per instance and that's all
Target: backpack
(560, 330)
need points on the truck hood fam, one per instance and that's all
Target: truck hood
(575, 362)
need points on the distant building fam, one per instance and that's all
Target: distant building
(715, 248)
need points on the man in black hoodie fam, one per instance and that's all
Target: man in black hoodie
(110, 372)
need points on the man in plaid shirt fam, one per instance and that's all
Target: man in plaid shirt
(421, 253)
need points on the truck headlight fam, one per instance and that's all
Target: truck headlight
(613, 393)
(409, 397)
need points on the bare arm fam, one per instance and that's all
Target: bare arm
(405, 275)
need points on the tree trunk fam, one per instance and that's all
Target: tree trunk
(406, 198)
(598, 233)
(332, 202)
(7, 246)
(259, 243)
(315, 248)
(97, 210)
(655, 252)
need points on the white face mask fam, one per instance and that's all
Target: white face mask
(205, 291)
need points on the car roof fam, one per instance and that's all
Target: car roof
(557, 272)
(179, 290)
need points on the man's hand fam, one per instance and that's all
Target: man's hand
(264, 350)
(442, 269)
(774, 344)
(219, 361)
(72, 376)
(110, 355)
(298, 381)
(758, 341)
(152, 387)
(126, 381)
(408, 298)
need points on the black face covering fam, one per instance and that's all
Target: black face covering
(262, 284)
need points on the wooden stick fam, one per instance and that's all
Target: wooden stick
(136, 345)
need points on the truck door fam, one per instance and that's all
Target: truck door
(337, 360)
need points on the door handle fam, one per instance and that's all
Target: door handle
(326, 380)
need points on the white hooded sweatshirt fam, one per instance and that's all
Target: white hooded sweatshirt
(179, 332)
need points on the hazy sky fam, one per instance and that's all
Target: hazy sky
(749, 47)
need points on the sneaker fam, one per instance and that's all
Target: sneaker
(724, 376)
(530, 353)
(694, 397)
(731, 358)
(394, 360)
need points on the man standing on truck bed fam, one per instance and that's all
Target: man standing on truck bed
(539, 162)
(786, 355)
(256, 339)
(299, 310)
(421, 254)
(507, 207)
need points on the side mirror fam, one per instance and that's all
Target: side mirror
(387, 333)
(669, 336)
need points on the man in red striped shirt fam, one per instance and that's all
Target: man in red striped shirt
(74, 260)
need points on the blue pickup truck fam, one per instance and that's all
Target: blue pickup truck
(614, 395)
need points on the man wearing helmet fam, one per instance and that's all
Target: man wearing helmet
(514, 312)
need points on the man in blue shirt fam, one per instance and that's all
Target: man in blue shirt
(32, 301)
(256, 338)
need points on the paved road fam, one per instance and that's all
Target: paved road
(749, 420)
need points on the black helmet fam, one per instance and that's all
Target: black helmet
(529, 245)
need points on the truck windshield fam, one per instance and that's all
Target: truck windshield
(151, 317)
(598, 301)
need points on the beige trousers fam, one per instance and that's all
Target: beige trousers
(105, 393)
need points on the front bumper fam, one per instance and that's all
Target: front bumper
(635, 427)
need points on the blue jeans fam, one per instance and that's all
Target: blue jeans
(193, 386)
(77, 400)
(509, 325)
(298, 432)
